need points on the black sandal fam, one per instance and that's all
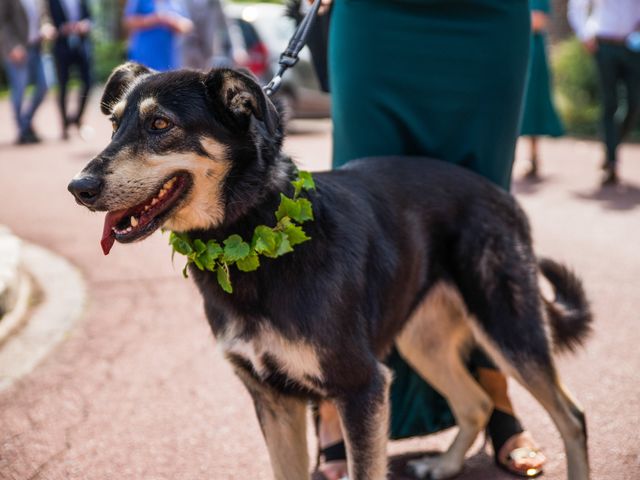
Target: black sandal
(336, 452)
(500, 429)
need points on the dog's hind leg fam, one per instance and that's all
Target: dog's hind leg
(508, 321)
(432, 343)
(364, 417)
(537, 373)
(283, 422)
(496, 273)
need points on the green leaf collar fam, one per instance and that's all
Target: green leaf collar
(271, 242)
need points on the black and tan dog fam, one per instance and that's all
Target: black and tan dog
(405, 251)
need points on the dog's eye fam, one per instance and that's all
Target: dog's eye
(114, 125)
(160, 123)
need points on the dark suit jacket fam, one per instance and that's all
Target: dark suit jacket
(59, 17)
(14, 27)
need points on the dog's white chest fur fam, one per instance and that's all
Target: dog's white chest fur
(295, 359)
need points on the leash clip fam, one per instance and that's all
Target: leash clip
(273, 86)
(289, 57)
(287, 60)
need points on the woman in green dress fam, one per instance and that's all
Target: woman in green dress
(540, 117)
(438, 78)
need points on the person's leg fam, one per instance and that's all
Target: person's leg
(608, 70)
(83, 61)
(533, 167)
(631, 79)
(18, 77)
(505, 430)
(332, 448)
(38, 78)
(404, 108)
(62, 70)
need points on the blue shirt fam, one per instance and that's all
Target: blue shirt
(154, 47)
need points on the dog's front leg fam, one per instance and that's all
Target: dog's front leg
(364, 415)
(283, 422)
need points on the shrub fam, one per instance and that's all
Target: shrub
(576, 87)
(107, 55)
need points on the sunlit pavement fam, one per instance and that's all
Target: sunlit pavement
(137, 390)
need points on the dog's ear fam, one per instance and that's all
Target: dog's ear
(237, 97)
(118, 82)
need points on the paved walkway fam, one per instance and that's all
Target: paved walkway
(138, 391)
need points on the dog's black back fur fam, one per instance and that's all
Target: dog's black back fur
(385, 231)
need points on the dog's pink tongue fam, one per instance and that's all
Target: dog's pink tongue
(108, 235)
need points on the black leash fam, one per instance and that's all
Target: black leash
(289, 57)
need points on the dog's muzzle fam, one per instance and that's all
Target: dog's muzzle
(86, 189)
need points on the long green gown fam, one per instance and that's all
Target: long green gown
(441, 78)
(540, 116)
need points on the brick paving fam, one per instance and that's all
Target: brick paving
(138, 391)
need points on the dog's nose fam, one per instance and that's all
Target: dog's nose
(86, 189)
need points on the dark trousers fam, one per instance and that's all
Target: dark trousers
(618, 67)
(68, 57)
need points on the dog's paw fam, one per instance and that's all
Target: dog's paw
(434, 468)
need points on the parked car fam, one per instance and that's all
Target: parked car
(259, 34)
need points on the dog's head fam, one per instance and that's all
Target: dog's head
(181, 143)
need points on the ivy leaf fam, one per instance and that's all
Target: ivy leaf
(296, 234)
(307, 180)
(284, 246)
(214, 249)
(185, 273)
(223, 278)
(235, 248)
(211, 254)
(288, 208)
(193, 257)
(303, 182)
(199, 246)
(265, 240)
(249, 263)
(297, 185)
(180, 243)
(306, 212)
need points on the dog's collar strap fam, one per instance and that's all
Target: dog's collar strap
(289, 57)
(270, 242)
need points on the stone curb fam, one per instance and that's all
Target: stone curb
(10, 278)
(46, 324)
(15, 317)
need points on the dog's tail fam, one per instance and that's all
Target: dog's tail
(569, 314)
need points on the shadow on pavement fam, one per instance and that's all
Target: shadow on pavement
(477, 467)
(529, 186)
(9, 145)
(619, 197)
